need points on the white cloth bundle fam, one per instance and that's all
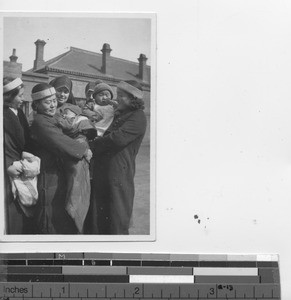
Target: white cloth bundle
(25, 185)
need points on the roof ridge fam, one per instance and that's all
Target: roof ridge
(99, 54)
(84, 50)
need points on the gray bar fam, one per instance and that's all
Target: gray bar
(40, 255)
(159, 271)
(94, 270)
(34, 298)
(155, 256)
(65, 255)
(13, 256)
(193, 257)
(126, 256)
(269, 275)
(98, 256)
(226, 279)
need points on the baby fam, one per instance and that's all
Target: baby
(75, 125)
(104, 107)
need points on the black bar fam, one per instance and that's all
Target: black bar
(242, 264)
(15, 262)
(185, 263)
(67, 262)
(156, 263)
(96, 262)
(213, 264)
(34, 278)
(97, 278)
(267, 264)
(126, 262)
(40, 262)
(33, 270)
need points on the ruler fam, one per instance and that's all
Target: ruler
(50, 276)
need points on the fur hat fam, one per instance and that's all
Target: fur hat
(130, 89)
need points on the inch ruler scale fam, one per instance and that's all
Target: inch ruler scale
(125, 276)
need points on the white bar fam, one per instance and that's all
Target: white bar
(225, 271)
(267, 257)
(161, 279)
(243, 257)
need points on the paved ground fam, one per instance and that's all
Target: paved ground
(141, 207)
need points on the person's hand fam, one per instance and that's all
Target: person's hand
(14, 170)
(88, 155)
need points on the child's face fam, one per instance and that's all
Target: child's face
(103, 98)
(68, 114)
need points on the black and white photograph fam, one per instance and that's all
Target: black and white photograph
(78, 126)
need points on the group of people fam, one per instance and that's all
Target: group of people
(87, 150)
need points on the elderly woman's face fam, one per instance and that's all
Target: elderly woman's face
(123, 99)
(48, 106)
(62, 95)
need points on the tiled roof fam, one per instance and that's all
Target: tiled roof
(90, 63)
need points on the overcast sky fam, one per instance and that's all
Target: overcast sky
(128, 37)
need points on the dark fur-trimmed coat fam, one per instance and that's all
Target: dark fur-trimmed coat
(113, 175)
(55, 149)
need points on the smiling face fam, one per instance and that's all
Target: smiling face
(62, 95)
(103, 98)
(18, 99)
(47, 106)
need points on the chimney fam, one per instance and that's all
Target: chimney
(105, 57)
(142, 66)
(12, 68)
(38, 62)
(13, 57)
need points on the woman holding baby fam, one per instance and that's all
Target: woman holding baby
(55, 149)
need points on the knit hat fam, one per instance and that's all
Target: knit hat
(62, 81)
(41, 91)
(132, 90)
(102, 87)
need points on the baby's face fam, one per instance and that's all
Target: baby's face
(68, 114)
(103, 98)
